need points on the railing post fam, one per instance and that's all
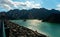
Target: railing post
(4, 34)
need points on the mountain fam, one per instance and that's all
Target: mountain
(41, 14)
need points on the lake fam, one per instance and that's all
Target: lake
(49, 29)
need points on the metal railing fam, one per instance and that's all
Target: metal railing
(4, 34)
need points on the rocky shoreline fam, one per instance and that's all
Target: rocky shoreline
(15, 30)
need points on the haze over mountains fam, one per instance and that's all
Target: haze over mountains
(41, 14)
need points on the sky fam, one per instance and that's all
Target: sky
(6, 5)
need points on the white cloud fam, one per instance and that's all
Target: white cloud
(6, 6)
(58, 7)
(27, 4)
(32, 4)
(9, 4)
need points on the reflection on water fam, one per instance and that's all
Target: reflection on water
(50, 29)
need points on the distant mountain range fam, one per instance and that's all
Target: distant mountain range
(41, 14)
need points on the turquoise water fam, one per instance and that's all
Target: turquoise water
(49, 29)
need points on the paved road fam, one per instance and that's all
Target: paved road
(1, 28)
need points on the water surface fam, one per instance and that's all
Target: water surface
(50, 29)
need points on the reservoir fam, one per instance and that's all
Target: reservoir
(49, 29)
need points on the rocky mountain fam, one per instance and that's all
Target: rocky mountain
(41, 14)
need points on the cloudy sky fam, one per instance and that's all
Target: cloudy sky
(6, 5)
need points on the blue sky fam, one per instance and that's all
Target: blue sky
(6, 5)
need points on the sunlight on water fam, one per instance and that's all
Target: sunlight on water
(35, 22)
